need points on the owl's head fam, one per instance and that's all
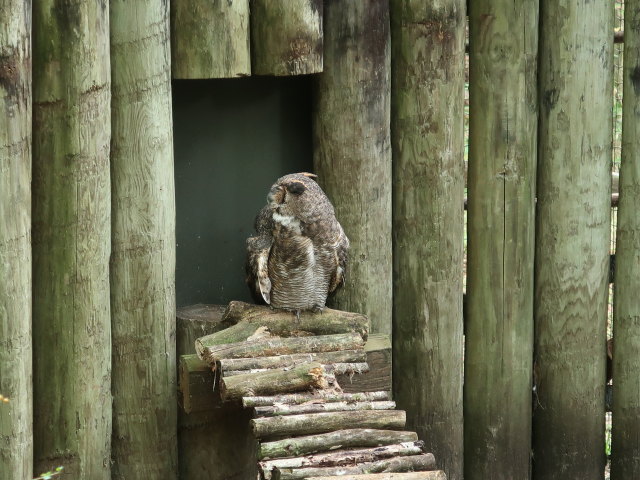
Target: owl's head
(298, 195)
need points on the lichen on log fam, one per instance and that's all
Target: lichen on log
(227, 365)
(316, 407)
(299, 398)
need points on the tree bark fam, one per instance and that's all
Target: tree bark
(625, 462)
(501, 229)
(279, 410)
(572, 237)
(71, 238)
(239, 365)
(271, 346)
(286, 37)
(352, 153)
(143, 243)
(302, 377)
(428, 176)
(344, 457)
(242, 320)
(398, 464)
(210, 39)
(358, 437)
(299, 398)
(432, 475)
(16, 416)
(326, 422)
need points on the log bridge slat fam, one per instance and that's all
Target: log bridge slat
(293, 374)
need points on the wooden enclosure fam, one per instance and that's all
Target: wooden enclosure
(507, 384)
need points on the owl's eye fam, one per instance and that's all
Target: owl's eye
(296, 188)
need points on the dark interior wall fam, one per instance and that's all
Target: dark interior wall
(232, 139)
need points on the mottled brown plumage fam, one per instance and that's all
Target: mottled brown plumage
(299, 253)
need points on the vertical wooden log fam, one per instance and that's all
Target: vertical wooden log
(210, 38)
(428, 174)
(352, 153)
(572, 237)
(286, 37)
(501, 229)
(71, 237)
(16, 447)
(216, 444)
(143, 238)
(625, 447)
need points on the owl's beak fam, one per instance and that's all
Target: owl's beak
(276, 195)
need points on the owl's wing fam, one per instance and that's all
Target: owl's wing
(258, 250)
(339, 274)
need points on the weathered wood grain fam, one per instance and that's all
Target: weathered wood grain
(286, 37)
(210, 39)
(352, 153)
(625, 441)
(573, 231)
(16, 416)
(71, 238)
(428, 177)
(432, 475)
(501, 230)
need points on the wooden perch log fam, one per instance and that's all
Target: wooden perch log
(301, 377)
(432, 475)
(332, 368)
(319, 396)
(398, 464)
(357, 437)
(226, 365)
(326, 422)
(378, 378)
(286, 37)
(345, 457)
(279, 410)
(244, 319)
(280, 346)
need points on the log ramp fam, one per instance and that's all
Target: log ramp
(287, 373)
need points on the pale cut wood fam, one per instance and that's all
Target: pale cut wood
(432, 475)
(346, 457)
(279, 409)
(299, 398)
(71, 195)
(573, 235)
(286, 37)
(16, 416)
(428, 179)
(625, 435)
(399, 464)
(210, 39)
(227, 365)
(326, 422)
(280, 346)
(352, 153)
(501, 229)
(241, 320)
(349, 438)
(142, 268)
(302, 377)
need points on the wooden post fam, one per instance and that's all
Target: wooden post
(572, 237)
(216, 444)
(428, 176)
(501, 229)
(352, 153)
(71, 238)
(210, 39)
(286, 37)
(625, 460)
(143, 243)
(16, 448)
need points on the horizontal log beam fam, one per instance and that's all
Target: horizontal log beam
(326, 422)
(320, 396)
(432, 475)
(279, 410)
(302, 377)
(399, 464)
(279, 361)
(332, 368)
(350, 438)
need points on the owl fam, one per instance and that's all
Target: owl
(298, 255)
